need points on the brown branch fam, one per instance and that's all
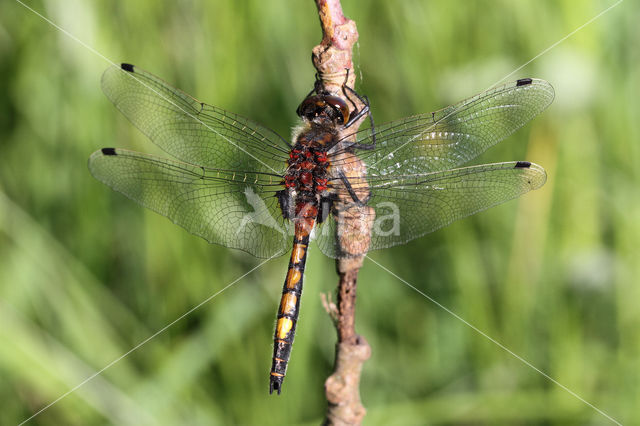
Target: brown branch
(342, 386)
(333, 55)
(332, 59)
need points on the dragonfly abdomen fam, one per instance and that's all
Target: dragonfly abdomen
(289, 308)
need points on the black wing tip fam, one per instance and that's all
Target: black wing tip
(522, 165)
(108, 151)
(126, 67)
(524, 82)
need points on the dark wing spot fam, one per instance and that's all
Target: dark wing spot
(522, 165)
(109, 151)
(127, 67)
(524, 82)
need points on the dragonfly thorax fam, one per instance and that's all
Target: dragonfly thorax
(307, 174)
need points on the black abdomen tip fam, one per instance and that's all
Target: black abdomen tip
(109, 151)
(276, 384)
(523, 165)
(126, 67)
(524, 82)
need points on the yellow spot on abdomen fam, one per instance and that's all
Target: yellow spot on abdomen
(293, 277)
(288, 303)
(298, 253)
(284, 327)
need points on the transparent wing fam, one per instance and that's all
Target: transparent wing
(238, 210)
(409, 206)
(453, 136)
(190, 130)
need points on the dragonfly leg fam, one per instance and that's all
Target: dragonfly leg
(326, 204)
(352, 193)
(359, 113)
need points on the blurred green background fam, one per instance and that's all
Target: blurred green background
(86, 274)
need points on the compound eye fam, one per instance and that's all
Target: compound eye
(304, 107)
(340, 106)
(311, 106)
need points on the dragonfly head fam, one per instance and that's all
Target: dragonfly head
(324, 108)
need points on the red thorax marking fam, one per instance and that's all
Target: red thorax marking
(306, 178)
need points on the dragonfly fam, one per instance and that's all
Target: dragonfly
(239, 184)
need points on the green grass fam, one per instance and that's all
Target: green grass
(86, 275)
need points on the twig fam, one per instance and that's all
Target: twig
(342, 386)
(332, 60)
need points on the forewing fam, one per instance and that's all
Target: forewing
(453, 136)
(231, 209)
(189, 130)
(407, 207)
